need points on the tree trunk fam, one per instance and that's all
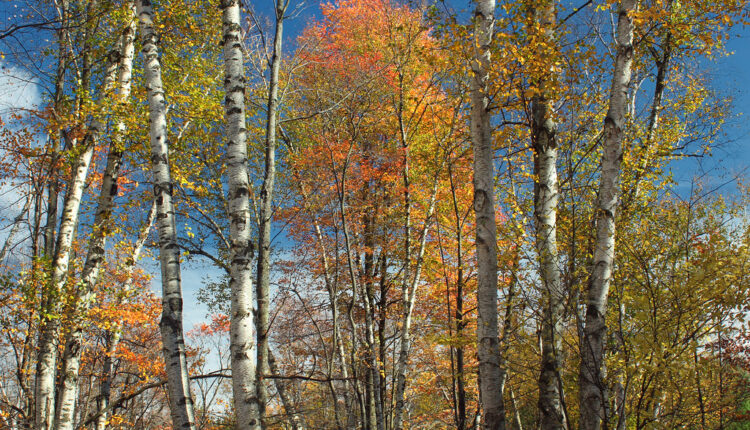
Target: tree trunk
(50, 324)
(488, 348)
(53, 188)
(47, 357)
(545, 216)
(460, 401)
(594, 395)
(242, 342)
(367, 406)
(662, 69)
(295, 420)
(332, 290)
(178, 385)
(266, 210)
(408, 293)
(50, 327)
(96, 246)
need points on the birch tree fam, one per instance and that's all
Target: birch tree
(49, 333)
(242, 345)
(544, 144)
(178, 385)
(594, 396)
(48, 343)
(47, 357)
(488, 348)
(120, 63)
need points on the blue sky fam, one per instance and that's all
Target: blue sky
(731, 76)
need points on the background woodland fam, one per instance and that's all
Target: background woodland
(425, 215)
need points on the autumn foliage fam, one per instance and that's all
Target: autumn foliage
(374, 302)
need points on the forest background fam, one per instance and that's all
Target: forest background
(694, 194)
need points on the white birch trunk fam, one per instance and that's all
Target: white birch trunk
(242, 334)
(50, 324)
(97, 242)
(178, 385)
(46, 367)
(544, 143)
(50, 330)
(488, 348)
(594, 395)
(62, 7)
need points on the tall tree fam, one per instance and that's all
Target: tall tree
(594, 397)
(180, 399)
(82, 154)
(544, 144)
(119, 68)
(488, 347)
(242, 343)
(266, 204)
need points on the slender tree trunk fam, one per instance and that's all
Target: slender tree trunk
(178, 385)
(50, 326)
(545, 216)
(74, 340)
(594, 395)
(331, 288)
(368, 412)
(516, 413)
(295, 419)
(461, 423)
(45, 373)
(62, 7)
(122, 56)
(488, 348)
(622, 378)
(266, 210)
(407, 303)
(382, 305)
(408, 293)
(244, 377)
(377, 419)
(660, 84)
(376, 416)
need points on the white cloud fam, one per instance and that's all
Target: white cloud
(19, 91)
